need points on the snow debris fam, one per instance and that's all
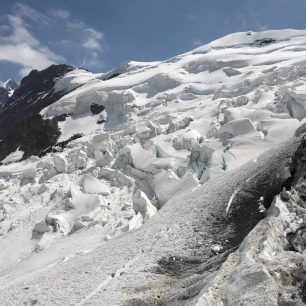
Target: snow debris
(93, 185)
(141, 204)
(217, 248)
(235, 128)
(60, 164)
(5, 227)
(136, 222)
(42, 227)
(29, 173)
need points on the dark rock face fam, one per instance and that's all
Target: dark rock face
(36, 92)
(32, 135)
(101, 121)
(264, 41)
(59, 146)
(96, 108)
(21, 126)
(301, 130)
(112, 76)
(4, 96)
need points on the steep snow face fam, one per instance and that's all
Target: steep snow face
(138, 138)
(74, 79)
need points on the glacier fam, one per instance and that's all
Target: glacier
(176, 182)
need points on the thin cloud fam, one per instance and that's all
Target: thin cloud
(64, 14)
(254, 18)
(20, 45)
(243, 22)
(92, 39)
(197, 42)
(23, 54)
(92, 43)
(20, 33)
(25, 11)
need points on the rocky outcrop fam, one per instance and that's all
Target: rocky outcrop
(143, 205)
(32, 136)
(21, 125)
(36, 91)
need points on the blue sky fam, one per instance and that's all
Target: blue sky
(101, 34)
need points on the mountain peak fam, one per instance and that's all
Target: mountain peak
(50, 72)
(6, 90)
(36, 91)
(9, 84)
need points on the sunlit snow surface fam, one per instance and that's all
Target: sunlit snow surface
(167, 129)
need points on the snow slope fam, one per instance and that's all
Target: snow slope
(162, 148)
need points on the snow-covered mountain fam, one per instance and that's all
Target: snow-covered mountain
(7, 89)
(34, 93)
(150, 184)
(10, 85)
